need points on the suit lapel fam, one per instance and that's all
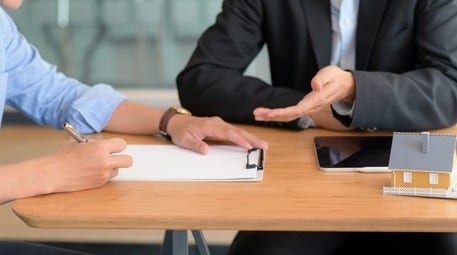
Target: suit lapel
(371, 13)
(317, 14)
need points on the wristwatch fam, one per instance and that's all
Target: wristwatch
(169, 113)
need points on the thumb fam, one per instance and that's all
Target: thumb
(317, 83)
(322, 78)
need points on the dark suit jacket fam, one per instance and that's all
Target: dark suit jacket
(406, 59)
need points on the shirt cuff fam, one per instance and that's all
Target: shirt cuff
(306, 122)
(342, 111)
(343, 108)
(92, 110)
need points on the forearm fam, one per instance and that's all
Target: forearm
(211, 91)
(418, 100)
(21, 180)
(134, 118)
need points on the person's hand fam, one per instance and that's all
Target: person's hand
(189, 132)
(79, 166)
(331, 84)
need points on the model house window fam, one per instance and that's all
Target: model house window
(433, 178)
(407, 177)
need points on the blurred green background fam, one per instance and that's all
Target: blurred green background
(132, 44)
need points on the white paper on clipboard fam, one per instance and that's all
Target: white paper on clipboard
(173, 163)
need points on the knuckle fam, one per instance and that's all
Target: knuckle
(215, 119)
(122, 143)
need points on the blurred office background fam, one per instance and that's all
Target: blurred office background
(138, 46)
(135, 45)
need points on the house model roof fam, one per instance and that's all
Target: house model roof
(416, 151)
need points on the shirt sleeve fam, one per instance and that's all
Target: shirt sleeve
(39, 91)
(342, 111)
(305, 122)
(343, 108)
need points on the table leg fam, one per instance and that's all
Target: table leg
(200, 241)
(176, 243)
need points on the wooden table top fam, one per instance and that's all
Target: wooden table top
(294, 194)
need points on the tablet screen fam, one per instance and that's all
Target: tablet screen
(353, 153)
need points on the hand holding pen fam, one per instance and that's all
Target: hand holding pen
(87, 165)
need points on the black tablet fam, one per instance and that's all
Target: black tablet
(353, 153)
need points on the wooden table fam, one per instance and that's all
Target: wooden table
(294, 195)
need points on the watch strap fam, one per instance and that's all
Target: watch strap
(170, 112)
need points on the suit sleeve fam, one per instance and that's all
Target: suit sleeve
(213, 82)
(423, 98)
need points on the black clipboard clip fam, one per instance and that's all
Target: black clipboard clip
(259, 163)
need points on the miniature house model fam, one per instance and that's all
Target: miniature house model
(422, 164)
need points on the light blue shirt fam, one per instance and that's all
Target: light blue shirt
(344, 25)
(39, 91)
(344, 28)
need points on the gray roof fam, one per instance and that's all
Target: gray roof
(407, 152)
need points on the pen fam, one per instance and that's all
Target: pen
(74, 133)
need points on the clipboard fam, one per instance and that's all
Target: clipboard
(172, 163)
